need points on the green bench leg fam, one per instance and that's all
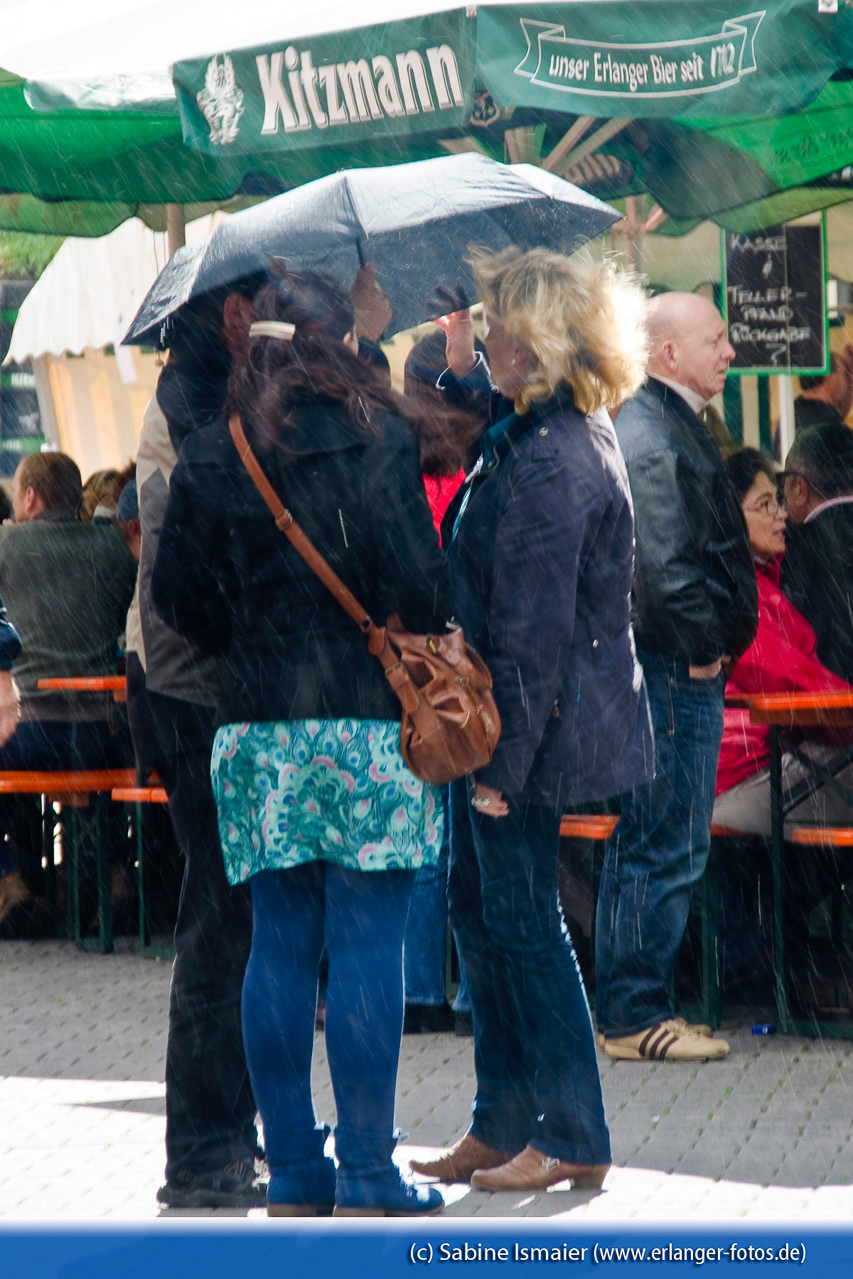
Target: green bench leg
(706, 897)
(103, 941)
(68, 826)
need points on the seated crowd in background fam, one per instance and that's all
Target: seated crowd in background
(68, 585)
(102, 491)
(782, 658)
(826, 398)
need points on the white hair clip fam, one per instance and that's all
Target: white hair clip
(272, 329)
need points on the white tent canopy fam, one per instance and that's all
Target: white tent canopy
(91, 401)
(92, 289)
(116, 38)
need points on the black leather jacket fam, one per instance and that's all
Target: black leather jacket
(695, 596)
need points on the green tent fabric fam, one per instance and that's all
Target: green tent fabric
(661, 58)
(79, 153)
(75, 171)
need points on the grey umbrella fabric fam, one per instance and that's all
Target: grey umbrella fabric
(415, 222)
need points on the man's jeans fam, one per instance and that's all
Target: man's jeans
(210, 1108)
(426, 932)
(537, 1076)
(658, 852)
(50, 746)
(426, 936)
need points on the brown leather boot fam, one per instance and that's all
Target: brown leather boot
(457, 1163)
(531, 1170)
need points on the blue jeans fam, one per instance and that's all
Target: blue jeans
(461, 1000)
(52, 746)
(426, 940)
(658, 852)
(360, 917)
(534, 1053)
(426, 933)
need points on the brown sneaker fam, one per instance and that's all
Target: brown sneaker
(671, 1040)
(457, 1163)
(531, 1170)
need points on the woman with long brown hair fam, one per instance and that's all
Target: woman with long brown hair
(317, 809)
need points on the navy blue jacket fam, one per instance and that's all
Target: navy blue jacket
(10, 641)
(542, 566)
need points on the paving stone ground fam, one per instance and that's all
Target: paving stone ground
(764, 1134)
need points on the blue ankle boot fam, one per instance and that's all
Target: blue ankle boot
(302, 1178)
(369, 1182)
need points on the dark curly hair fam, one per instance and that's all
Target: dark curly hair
(744, 466)
(277, 377)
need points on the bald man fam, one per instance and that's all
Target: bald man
(695, 604)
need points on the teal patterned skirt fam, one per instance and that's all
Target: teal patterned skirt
(334, 790)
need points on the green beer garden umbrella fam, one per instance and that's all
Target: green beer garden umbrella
(708, 108)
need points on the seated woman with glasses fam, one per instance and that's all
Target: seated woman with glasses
(781, 659)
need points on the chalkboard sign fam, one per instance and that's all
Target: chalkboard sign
(774, 289)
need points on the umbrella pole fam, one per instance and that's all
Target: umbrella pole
(785, 387)
(175, 227)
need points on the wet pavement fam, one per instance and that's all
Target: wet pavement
(764, 1134)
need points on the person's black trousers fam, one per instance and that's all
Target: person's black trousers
(210, 1109)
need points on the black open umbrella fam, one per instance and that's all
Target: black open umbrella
(413, 221)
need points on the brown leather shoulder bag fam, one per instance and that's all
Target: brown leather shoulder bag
(450, 723)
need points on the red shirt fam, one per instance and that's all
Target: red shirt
(440, 493)
(781, 659)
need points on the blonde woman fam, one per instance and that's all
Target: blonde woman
(542, 564)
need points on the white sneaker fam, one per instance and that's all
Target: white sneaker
(671, 1040)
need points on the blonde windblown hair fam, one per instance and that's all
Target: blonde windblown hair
(583, 323)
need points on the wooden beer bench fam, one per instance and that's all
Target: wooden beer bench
(115, 684)
(72, 791)
(781, 711)
(125, 787)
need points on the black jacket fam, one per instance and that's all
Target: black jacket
(542, 565)
(227, 578)
(817, 577)
(695, 595)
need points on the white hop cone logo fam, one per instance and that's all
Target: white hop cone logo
(220, 101)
